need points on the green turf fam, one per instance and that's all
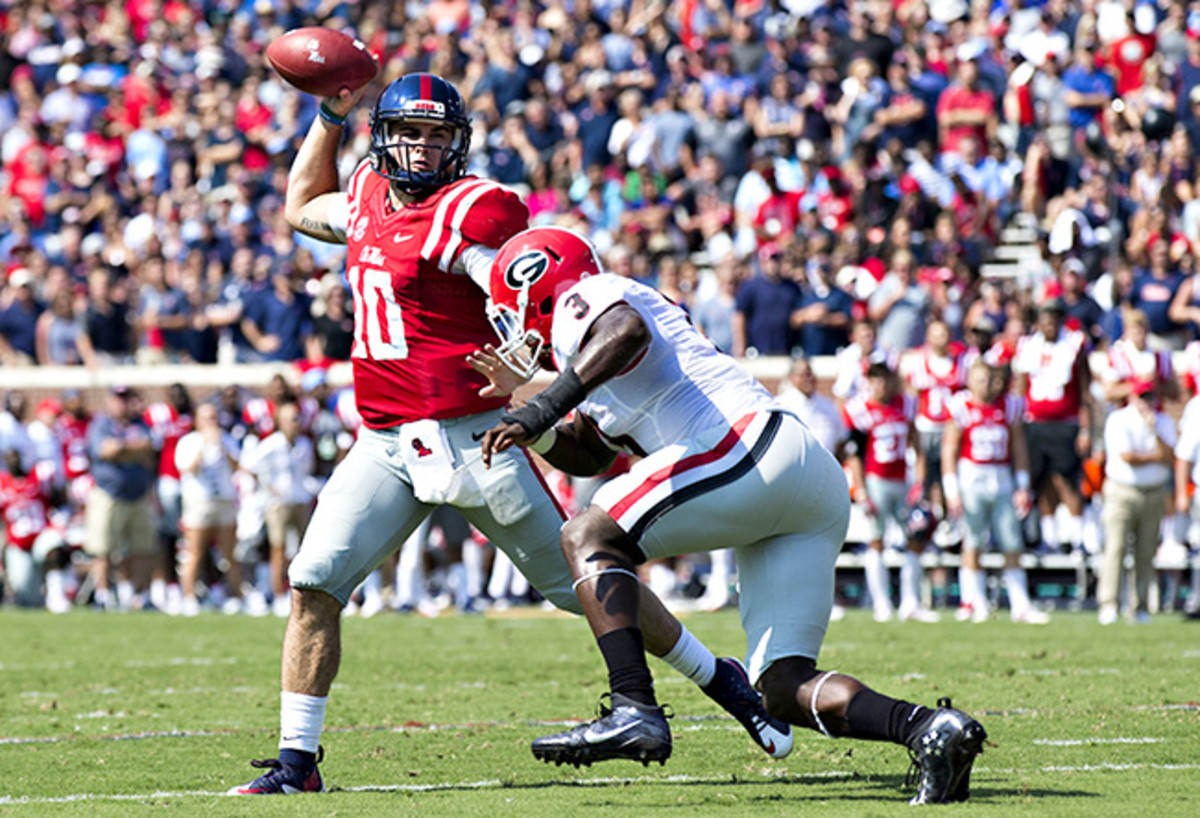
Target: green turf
(485, 682)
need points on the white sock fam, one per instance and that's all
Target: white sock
(1075, 535)
(410, 575)
(158, 593)
(54, 585)
(473, 562)
(966, 585)
(501, 579)
(456, 580)
(876, 574)
(1049, 530)
(301, 720)
(910, 581)
(124, 593)
(1018, 589)
(692, 659)
(980, 590)
(371, 586)
(722, 570)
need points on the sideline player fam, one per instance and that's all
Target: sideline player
(713, 440)
(982, 443)
(420, 238)
(882, 424)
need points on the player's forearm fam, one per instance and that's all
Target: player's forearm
(313, 173)
(571, 455)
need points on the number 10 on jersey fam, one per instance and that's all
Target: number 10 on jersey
(378, 318)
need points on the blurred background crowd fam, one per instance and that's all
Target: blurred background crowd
(785, 170)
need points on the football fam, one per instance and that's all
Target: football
(322, 61)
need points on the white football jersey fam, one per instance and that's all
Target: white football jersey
(679, 388)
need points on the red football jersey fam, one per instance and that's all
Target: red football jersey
(25, 502)
(1128, 363)
(1191, 367)
(886, 428)
(72, 434)
(985, 437)
(259, 415)
(415, 318)
(935, 378)
(1053, 393)
(166, 427)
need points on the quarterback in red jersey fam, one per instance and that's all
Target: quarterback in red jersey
(983, 443)
(882, 426)
(420, 237)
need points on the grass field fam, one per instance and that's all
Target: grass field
(128, 714)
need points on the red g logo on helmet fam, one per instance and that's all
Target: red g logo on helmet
(526, 269)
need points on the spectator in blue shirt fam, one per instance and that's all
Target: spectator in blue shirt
(118, 507)
(823, 314)
(1154, 287)
(1087, 88)
(279, 322)
(761, 322)
(18, 321)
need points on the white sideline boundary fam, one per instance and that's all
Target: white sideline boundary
(10, 800)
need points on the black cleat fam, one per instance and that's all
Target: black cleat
(942, 755)
(730, 688)
(627, 729)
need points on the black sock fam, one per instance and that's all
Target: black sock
(628, 673)
(298, 758)
(875, 717)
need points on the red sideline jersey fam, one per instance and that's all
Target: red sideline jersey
(1191, 367)
(886, 428)
(416, 319)
(25, 502)
(1128, 363)
(72, 434)
(935, 378)
(1053, 393)
(985, 437)
(166, 427)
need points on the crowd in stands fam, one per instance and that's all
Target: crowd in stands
(796, 173)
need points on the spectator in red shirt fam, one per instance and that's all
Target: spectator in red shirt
(965, 108)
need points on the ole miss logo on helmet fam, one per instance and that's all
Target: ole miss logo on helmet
(526, 268)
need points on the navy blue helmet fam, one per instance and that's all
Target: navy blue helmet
(419, 98)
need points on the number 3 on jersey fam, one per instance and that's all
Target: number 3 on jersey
(378, 319)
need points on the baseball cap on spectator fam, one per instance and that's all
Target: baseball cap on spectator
(68, 73)
(947, 11)
(1076, 266)
(48, 405)
(769, 250)
(72, 394)
(970, 50)
(1142, 386)
(1054, 305)
(20, 277)
(123, 391)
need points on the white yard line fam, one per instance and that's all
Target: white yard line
(1083, 742)
(10, 800)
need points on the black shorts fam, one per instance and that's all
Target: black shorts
(1052, 451)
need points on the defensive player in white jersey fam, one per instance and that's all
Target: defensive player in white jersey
(983, 441)
(420, 236)
(723, 464)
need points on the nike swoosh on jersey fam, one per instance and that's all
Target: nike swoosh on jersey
(399, 237)
(478, 436)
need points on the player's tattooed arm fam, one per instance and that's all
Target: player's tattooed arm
(319, 229)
